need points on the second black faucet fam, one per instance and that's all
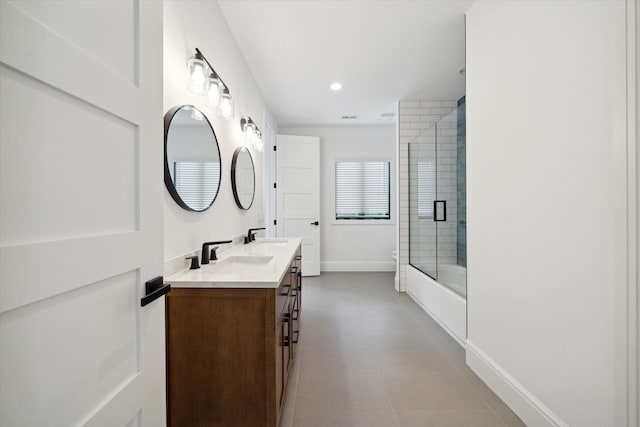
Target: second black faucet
(251, 236)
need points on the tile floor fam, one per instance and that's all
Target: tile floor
(369, 356)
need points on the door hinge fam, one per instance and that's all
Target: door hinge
(275, 221)
(275, 185)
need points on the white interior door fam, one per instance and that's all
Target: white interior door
(298, 195)
(80, 213)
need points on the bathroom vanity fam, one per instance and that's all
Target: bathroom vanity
(232, 330)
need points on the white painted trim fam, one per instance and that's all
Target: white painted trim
(446, 307)
(396, 205)
(631, 341)
(270, 193)
(532, 411)
(357, 266)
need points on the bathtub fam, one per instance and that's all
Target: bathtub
(446, 304)
(453, 276)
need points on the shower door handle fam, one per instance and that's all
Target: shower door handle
(439, 215)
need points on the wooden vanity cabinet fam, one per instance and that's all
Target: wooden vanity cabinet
(230, 353)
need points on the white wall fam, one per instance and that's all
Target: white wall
(187, 25)
(352, 247)
(545, 126)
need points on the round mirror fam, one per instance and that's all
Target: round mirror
(191, 158)
(243, 178)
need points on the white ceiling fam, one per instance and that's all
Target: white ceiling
(381, 51)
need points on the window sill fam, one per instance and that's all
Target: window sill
(363, 222)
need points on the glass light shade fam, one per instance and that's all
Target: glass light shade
(197, 115)
(197, 75)
(226, 105)
(249, 131)
(258, 142)
(215, 91)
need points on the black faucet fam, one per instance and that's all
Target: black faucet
(205, 250)
(251, 236)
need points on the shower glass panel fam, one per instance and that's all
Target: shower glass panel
(437, 201)
(422, 195)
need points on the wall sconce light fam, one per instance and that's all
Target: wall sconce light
(226, 105)
(215, 91)
(251, 132)
(197, 74)
(203, 80)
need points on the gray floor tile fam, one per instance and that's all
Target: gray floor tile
(444, 418)
(344, 418)
(287, 418)
(369, 356)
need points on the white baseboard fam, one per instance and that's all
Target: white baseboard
(533, 412)
(358, 266)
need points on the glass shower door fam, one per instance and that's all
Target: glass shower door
(437, 201)
(423, 248)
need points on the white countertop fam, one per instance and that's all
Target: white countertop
(259, 264)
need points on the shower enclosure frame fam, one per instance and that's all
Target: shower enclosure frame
(437, 236)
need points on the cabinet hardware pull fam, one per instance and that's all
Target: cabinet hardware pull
(287, 341)
(288, 289)
(295, 340)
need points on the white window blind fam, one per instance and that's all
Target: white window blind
(362, 190)
(426, 188)
(197, 182)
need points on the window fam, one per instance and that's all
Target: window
(362, 190)
(197, 182)
(426, 188)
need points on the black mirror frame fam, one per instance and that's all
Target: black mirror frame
(168, 182)
(233, 178)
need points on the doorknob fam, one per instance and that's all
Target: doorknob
(154, 288)
(315, 223)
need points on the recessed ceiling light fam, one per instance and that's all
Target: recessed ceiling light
(335, 86)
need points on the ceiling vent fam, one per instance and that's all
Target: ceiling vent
(349, 117)
(386, 117)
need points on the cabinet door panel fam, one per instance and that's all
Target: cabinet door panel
(217, 367)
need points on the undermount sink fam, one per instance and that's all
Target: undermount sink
(271, 242)
(239, 263)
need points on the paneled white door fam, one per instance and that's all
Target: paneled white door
(81, 202)
(298, 195)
